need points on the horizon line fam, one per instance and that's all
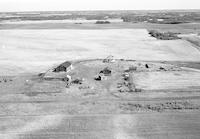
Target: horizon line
(192, 9)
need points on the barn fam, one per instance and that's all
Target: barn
(64, 67)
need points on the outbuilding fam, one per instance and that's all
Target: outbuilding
(64, 67)
(109, 59)
(106, 72)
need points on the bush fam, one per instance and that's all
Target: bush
(102, 22)
(164, 35)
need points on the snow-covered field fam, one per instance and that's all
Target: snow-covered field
(57, 21)
(30, 51)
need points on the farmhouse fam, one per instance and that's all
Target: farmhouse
(103, 74)
(64, 67)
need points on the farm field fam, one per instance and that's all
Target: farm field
(37, 50)
(147, 88)
(32, 107)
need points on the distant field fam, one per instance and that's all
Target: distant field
(37, 50)
(181, 21)
(177, 28)
(80, 21)
(160, 17)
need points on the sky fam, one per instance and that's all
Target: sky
(69, 5)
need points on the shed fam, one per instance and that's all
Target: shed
(100, 77)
